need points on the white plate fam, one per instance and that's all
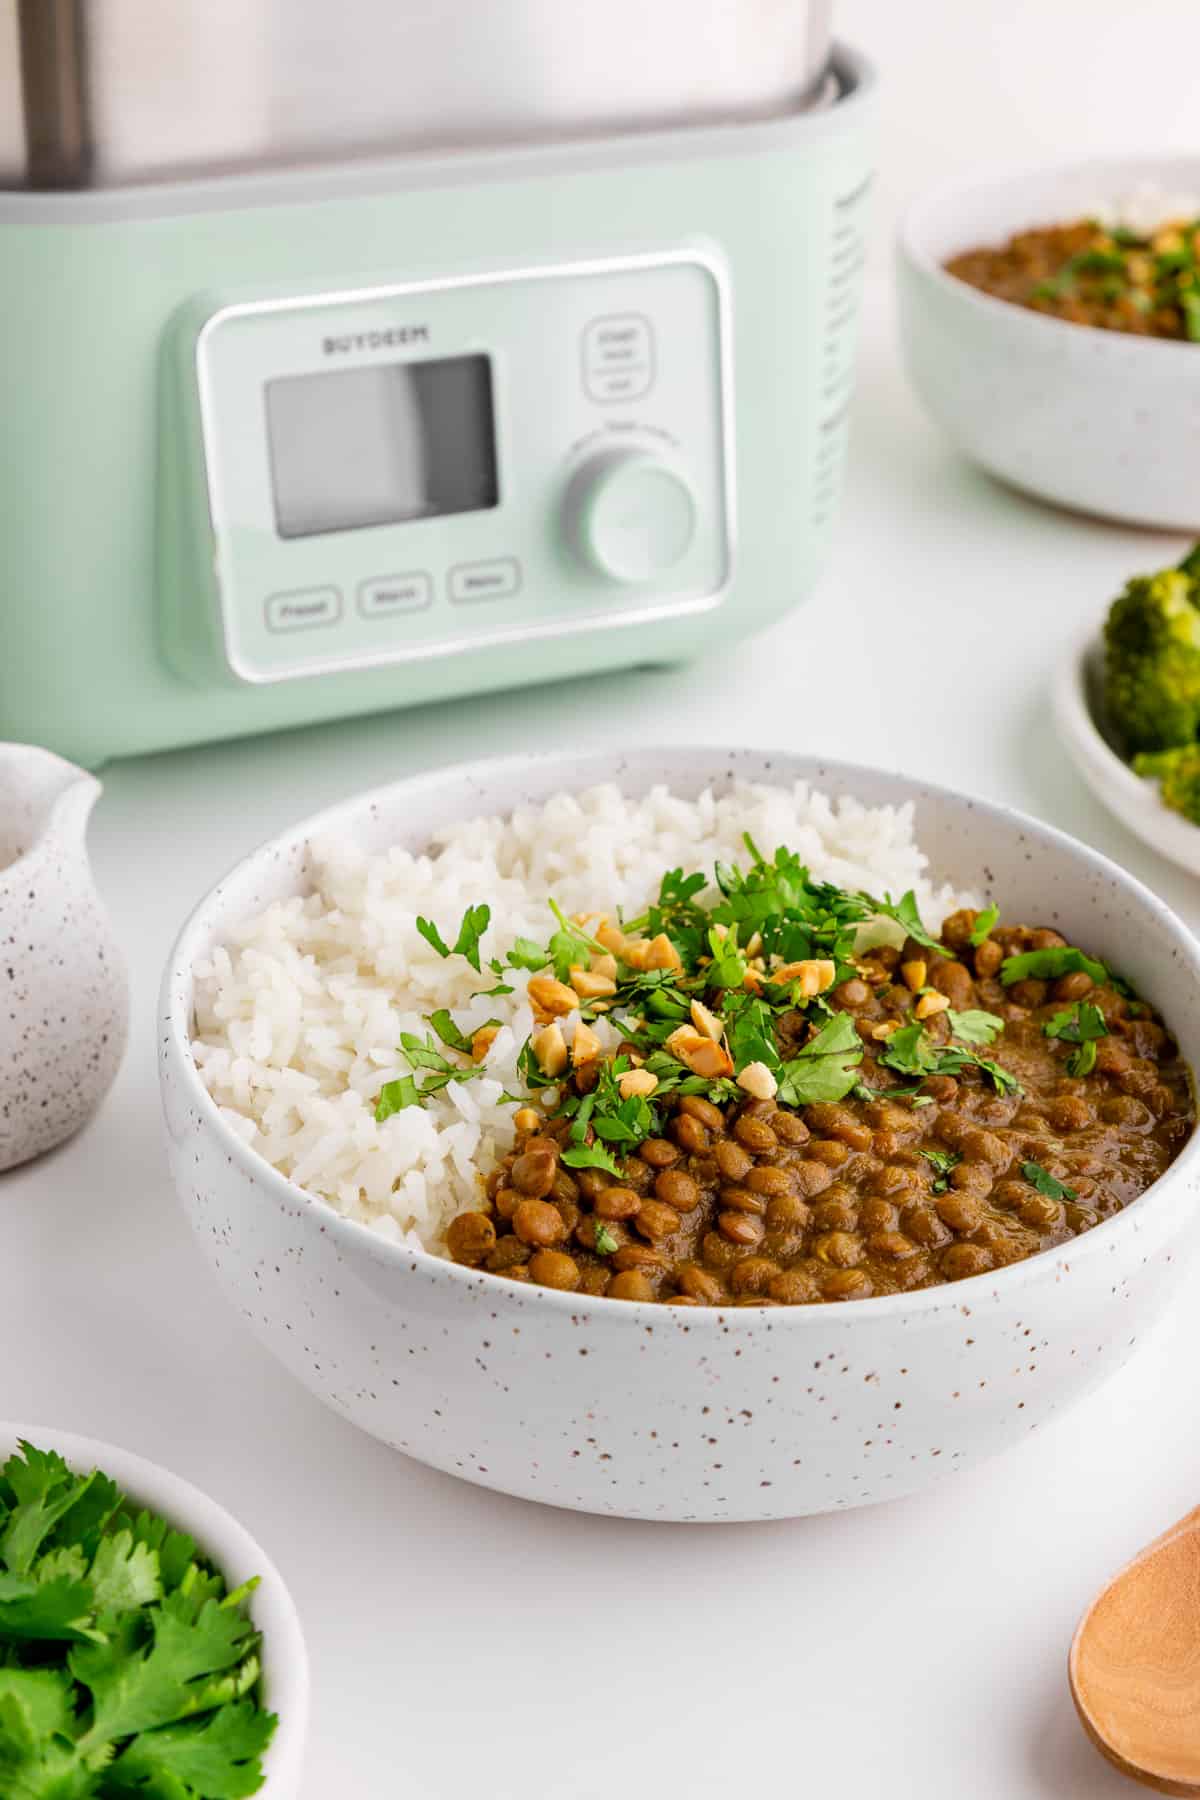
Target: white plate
(1136, 802)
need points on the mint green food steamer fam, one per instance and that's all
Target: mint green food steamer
(360, 426)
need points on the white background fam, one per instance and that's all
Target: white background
(467, 1644)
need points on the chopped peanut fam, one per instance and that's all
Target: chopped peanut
(706, 1023)
(585, 1045)
(914, 975)
(701, 1055)
(757, 1081)
(636, 1082)
(482, 1041)
(549, 1049)
(590, 986)
(604, 965)
(929, 1005)
(885, 1030)
(552, 997)
(526, 1120)
(812, 976)
(663, 954)
(634, 952)
(612, 939)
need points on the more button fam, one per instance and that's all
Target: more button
(388, 594)
(485, 580)
(303, 610)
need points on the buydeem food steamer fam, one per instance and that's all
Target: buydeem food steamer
(357, 357)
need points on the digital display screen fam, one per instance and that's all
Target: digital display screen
(381, 445)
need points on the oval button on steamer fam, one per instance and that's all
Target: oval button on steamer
(629, 515)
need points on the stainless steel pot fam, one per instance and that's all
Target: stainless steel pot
(108, 92)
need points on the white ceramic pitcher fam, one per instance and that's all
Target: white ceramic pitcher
(64, 1002)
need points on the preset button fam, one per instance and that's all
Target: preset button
(304, 609)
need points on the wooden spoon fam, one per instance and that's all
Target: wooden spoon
(1134, 1665)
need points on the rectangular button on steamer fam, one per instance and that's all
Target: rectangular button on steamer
(287, 445)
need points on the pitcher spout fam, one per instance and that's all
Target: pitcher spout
(43, 799)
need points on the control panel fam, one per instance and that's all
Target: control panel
(407, 472)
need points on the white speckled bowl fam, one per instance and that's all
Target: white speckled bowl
(1097, 420)
(1135, 801)
(230, 1547)
(648, 1411)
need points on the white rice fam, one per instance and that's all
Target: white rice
(299, 1016)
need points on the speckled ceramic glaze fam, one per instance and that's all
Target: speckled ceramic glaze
(645, 1410)
(239, 1557)
(1092, 419)
(63, 997)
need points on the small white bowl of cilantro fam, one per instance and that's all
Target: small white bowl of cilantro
(147, 1643)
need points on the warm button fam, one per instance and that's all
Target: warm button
(630, 515)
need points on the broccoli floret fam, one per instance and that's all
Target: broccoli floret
(1191, 563)
(1178, 774)
(1152, 662)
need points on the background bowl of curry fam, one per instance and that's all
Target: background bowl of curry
(1098, 420)
(654, 1412)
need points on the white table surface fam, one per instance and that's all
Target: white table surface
(465, 1644)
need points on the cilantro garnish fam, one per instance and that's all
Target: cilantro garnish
(974, 1027)
(944, 1162)
(474, 924)
(1046, 1183)
(984, 924)
(912, 1051)
(126, 1667)
(1048, 965)
(603, 1241)
(904, 912)
(590, 1156)
(1082, 1024)
(826, 1068)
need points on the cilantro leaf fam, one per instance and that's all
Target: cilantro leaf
(1049, 965)
(904, 912)
(433, 936)
(590, 1156)
(603, 1241)
(135, 1689)
(124, 1574)
(523, 953)
(474, 923)
(219, 1757)
(1082, 1024)
(728, 966)
(826, 1068)
(44, 1490)
(944, 1162)
(449, 1032)
(984, 924)
(1046, 1183)
(974, 1027)
(1077, 1024)
(909, 1051)
(395, 1095)
(571, 946)
(59, 1610)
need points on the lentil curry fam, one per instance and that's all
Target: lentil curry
(1091, 274)
(793, 1094)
